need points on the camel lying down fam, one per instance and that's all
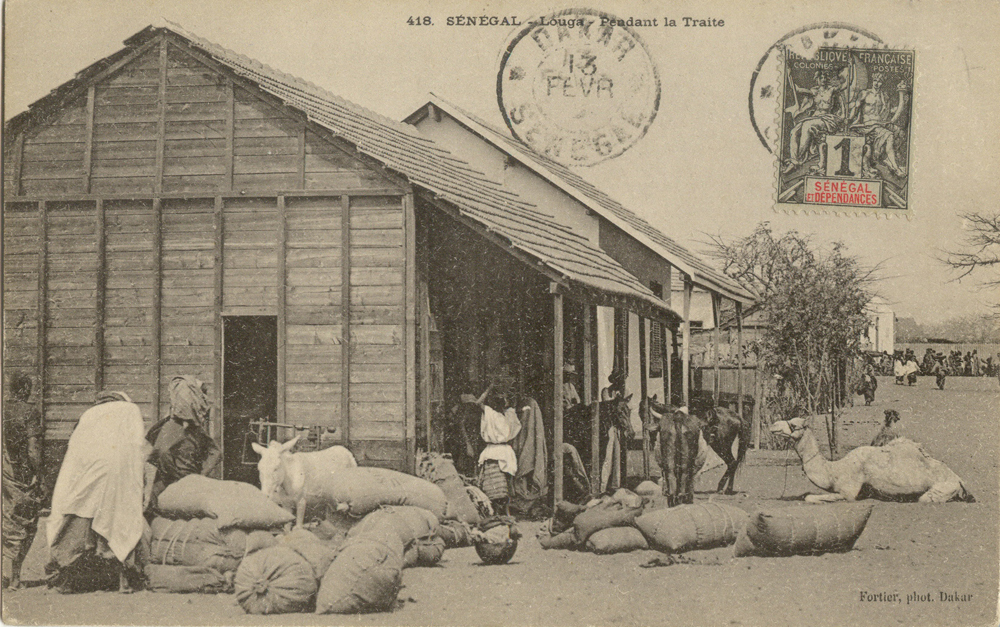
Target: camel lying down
(900, 470)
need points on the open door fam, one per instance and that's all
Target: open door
(249, 389)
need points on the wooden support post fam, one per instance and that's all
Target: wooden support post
(301, 161)
(230, 131)
(739, 359)
(557, 388)
(644, 394)
(100, 298)
(18, 157)
(161, 119)
(686, 349)
(591, 396)
(282, 299)
(716, 339)
(424, 326)
(410, 330)
(667, 356)
(43, 307)
(758, 396)
(157, 302)
(88, 146)
(216, 425)
(345, 319)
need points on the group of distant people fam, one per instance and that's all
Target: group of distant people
(954, 363)
(905, 367)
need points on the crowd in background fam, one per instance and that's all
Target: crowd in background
(955, 363)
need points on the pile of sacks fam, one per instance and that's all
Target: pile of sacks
(215, 536)
(378, 523)
(626, 522)
(204, 529)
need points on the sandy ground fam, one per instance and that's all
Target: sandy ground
(907, 549)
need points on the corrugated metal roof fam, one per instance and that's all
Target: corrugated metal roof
(597, 200)
(427, 165)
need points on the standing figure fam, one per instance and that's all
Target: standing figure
(940, 372)
(911, 369)
(498, 462)
(22, 471)
(868, 382)
(96, 524)
(897, 369)
(976, 364)
(181, 445)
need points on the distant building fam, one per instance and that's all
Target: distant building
(881, 333)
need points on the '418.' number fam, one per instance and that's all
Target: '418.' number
(419, 21)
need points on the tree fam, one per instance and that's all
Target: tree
(814, 301)
(982, 249)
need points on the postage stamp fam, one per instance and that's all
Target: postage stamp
(844, 129)
(578, 86)
(767, 77)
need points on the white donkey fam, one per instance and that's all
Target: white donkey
(289, 478)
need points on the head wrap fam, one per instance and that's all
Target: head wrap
(110, 396)
(188, 400)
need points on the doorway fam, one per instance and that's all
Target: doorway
(249, 389)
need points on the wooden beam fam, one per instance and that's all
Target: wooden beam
(686, 350)
(157, 302)
(739, 359)
(18, 157)
(557, 390)
(88, 148)
(230, 131)
(100, 298)
(425, 359)
(43, 307)
(217, 426)
(301, 161)
(410, 329)
(161, 117)
(590, 397)
(345, 318)
(644, 394)
(716, 339)
(282, 298)
(666, 358)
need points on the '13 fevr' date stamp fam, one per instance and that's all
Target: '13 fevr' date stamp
(845, 117)
(578, 86)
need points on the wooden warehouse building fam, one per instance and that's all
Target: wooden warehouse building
(178, 208)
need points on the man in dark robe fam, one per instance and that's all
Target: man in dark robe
(22, 466)
(181, 445)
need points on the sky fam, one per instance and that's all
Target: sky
(700, 169)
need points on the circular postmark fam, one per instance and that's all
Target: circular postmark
(578, 86)
(765, 84)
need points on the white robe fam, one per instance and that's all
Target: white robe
(101, 476)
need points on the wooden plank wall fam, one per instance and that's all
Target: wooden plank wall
(164, 148)
(313, 314)
(71, 288)
(130, 286)
(377, 396)
(21, 253)
(187, 294)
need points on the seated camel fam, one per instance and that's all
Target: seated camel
(900, 470)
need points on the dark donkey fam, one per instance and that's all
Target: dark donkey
(578, 425)
(720, 427)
